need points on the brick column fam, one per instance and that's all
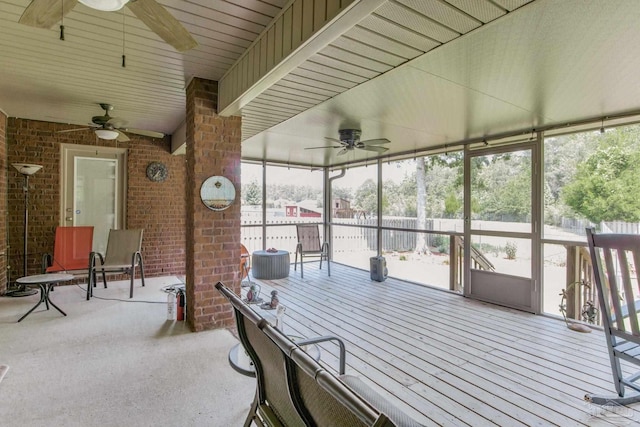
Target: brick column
(213, 238)
(3, 203)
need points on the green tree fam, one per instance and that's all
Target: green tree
(252, 194)
(341, 193)
(605, 185)
(452, 204)
(502, 185)
(367, 198)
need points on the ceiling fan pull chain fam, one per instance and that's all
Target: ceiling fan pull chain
(124, 57)
(62, 23)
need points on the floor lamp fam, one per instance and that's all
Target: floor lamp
(26, 170)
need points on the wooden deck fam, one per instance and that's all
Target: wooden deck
(449, 360)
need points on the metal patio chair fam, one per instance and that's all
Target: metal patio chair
(309, 245)
(71, 251)
(123, 256)
(293, 389)
(616, 263)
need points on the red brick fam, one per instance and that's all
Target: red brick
(158, 208)
(213, 148)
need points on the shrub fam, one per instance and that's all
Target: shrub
(511, 248)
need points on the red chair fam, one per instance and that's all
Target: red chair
(70, 251)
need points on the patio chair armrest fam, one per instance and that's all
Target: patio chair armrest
(92, 259)
(325, 338)
(299, 247)
(325, 247)
(135, 255)
(47, 261)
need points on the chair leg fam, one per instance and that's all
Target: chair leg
(141, 268)
(89, 283)
(132, 275)
(598, 399)
(252, 412)
(301, 266)
(295, 264)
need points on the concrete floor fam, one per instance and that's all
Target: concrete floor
(115, 363)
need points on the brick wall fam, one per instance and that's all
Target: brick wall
(3, 204)
(213, 237)
(158, 208)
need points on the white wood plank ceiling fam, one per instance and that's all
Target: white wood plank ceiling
(545, 63)
(421, 73)
(395, 33)
(44, 78)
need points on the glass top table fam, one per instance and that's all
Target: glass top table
(45, 282)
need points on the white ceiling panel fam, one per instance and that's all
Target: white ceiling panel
(419, 72)
(548, 63)
(44, 78)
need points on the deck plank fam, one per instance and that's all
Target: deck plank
(445, 359)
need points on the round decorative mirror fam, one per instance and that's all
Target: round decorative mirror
(217, 193)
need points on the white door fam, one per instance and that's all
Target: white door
(501, 243)
(93, 190)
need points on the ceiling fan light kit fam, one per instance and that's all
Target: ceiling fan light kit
(105, 5)
(107, 134)
(107, 127)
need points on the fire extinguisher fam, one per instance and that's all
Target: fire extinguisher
(180, 305)
(171, 306)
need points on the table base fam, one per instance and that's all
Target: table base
(45, 288)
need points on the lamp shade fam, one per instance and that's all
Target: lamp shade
(26, 168)
(105, 5)
(107, 134)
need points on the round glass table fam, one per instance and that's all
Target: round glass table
(45, 282)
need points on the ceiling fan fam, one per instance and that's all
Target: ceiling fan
(350, 140)
(45, 14)
(106, 127)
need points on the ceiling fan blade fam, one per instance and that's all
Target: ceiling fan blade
(143, 132)
(161, 22)
(122, 137)
(334, 140)
(45, 13)
(325, 146)
(72, 130)
(374, 141)
(342, 152)
(374, 148)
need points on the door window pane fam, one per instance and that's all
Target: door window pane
(95, 194)
(501, 192)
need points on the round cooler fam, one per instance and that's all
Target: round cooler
(270, 265)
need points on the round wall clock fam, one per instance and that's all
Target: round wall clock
(157, 172)
(217, 193)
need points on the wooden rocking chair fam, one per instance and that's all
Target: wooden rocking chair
(616, 263)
